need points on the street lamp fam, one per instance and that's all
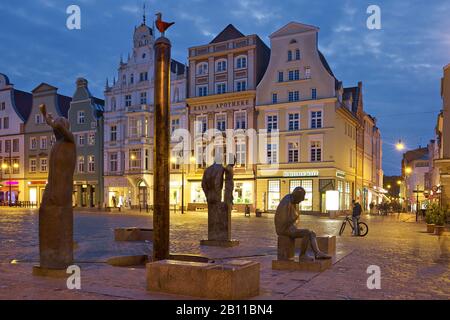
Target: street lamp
(400, 146)
(408, 170)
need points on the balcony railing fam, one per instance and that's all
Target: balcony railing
(139, 108)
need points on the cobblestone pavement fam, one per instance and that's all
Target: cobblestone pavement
(410, 260)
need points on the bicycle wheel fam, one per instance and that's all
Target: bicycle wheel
(363, 229)
(341, 231)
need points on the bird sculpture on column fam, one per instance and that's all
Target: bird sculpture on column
(161, 25)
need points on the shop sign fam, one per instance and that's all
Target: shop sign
(299, 174)
(222, 105)
(340, 174)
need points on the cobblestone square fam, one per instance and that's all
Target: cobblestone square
(409, 259)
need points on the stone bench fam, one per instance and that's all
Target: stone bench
(327, 244)
(237, 279)
(133, 234)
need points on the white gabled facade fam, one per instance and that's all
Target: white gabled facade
(128, 137)
(14, 109)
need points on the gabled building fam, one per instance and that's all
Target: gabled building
(223, 78)
(15, 107)
(39, 139)
(323, 131)
(86, 123)
(128, 133)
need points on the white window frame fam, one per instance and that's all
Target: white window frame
(41, 165)
(81, 140)
(220, 62)
(199, 122)
(216, 116)
(235, 116)
(240, 81)
(91, 163)
(224, 84)
(33, 140)
(272, 114)
(241, 152)
(33, 165)
(295, 149)
(111, 160)
(243, 66)
(81, 168)
(202, 90)
(315, 138)
(201, 70)
(288, 121)
(81, 117)
(91, 138)
(43, 143)
(273, 157)
(322, 118)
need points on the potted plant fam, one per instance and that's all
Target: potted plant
(429, 217)
(440, 219)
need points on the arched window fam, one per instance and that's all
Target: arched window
(241, 62)
(290, 55)
(297, 54)
(221, 65)
(202, 68)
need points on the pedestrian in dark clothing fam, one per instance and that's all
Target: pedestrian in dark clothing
(247, 210)
(357, 210)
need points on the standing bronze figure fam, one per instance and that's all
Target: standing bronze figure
(55, 212)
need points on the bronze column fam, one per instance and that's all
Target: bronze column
(161, 169)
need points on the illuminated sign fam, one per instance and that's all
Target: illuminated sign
(332, 200)
(340, 174)
(297, 174)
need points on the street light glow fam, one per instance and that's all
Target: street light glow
(408, 170)
(400, 146)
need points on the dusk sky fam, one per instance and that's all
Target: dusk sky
(400, 65)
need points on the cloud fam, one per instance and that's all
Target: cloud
(133, 9)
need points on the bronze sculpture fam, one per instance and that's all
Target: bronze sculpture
(55, 212)
(286, 216)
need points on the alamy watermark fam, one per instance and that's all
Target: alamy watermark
(374, 20)
(73, 21)
(374, 280)
(74, 280)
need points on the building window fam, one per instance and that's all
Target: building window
(241, 62)
(113, 133)
(128, 100)
(113, 162)
(81, 117)
(272, 123)
(201, 124)
(316, 151)
(202, 91)
(273, 199)
(200, 155)
(133, 130)
(221, 65)
(294, 75)
(132, 78)
(240, 120)
(43, 143)
(33, 165)
(143, 96)
(143, 76)
(290, 55)
(3, 106)
(43, 165)
(241, 85)
(274, 98)
(81, 140)
(307, 73)
(15, 145)
(280, 76)
(135, 159)
(38, 119)
(314, 93)
(221, 122)
(175, 125)
(91, 163)
(272, 153)
(81, 164)
(297, 54)
(91, 139)
(316, 119)
(33, 143)
(202, 69)
(294, 96)
(294, 121)
(7, 146)
(293, 152)
(221, 88)
(175, 160)
(241, 149)
(6, 123)
(307, 204)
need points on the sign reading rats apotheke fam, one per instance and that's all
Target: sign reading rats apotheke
(222, 105)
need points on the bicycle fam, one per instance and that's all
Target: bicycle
(363, 228)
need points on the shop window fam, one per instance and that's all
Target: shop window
(243, 193)
(273, 194)
(198, 196)
(307, 204)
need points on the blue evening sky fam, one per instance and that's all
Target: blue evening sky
(400, 65)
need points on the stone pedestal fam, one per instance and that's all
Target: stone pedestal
(327, 244)
(228, 281)
(55, 237)
(286, 248)
(219, 227)
(133, 234)
(51, 273)
(295, 265)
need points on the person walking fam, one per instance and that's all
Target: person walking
(356, 215)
